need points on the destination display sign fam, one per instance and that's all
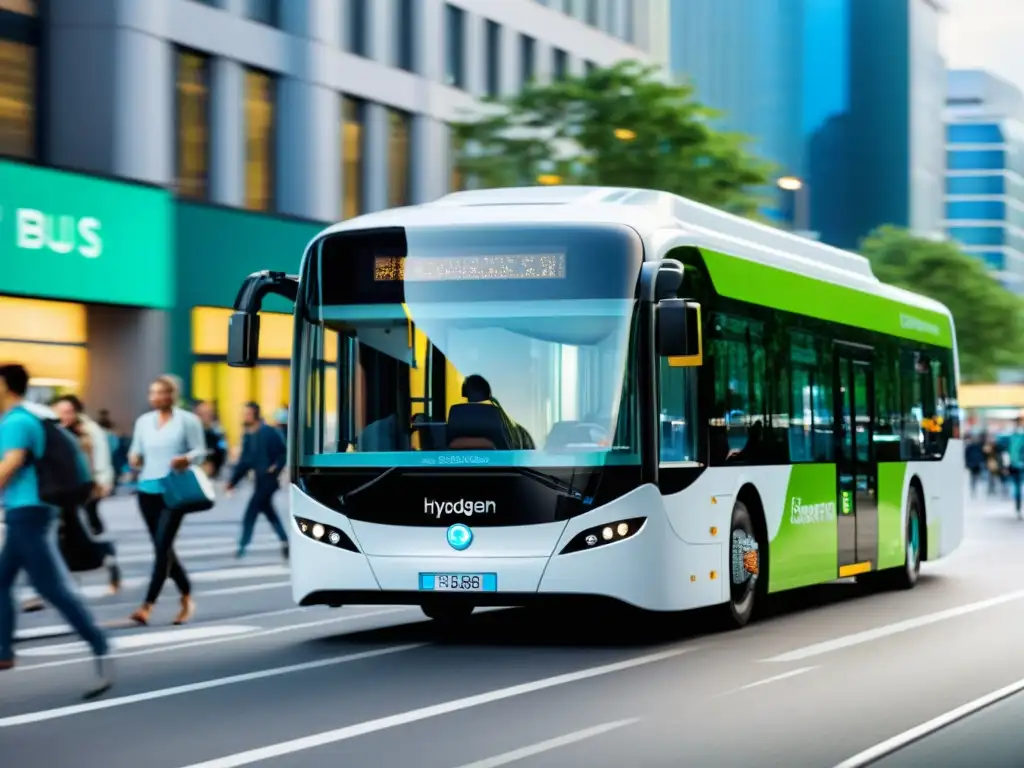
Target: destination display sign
(527, 266)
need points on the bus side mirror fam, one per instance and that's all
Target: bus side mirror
(243, 339)
(679, 336)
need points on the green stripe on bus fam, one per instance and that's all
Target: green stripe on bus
(767, 286)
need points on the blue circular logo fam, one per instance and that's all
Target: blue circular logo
(459, 537)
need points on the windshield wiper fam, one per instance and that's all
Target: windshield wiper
(549, 480)
(345, 496)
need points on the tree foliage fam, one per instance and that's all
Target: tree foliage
(989, 318)
(620, 126)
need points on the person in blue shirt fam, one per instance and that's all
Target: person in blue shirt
(263, 454)
(29, 544)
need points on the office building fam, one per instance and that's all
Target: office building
(985, 171)
(215, 138)
(845, 96)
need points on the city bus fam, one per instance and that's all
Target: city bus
(521, 395)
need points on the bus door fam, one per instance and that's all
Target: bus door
(856, 464)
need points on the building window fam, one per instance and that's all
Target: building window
(17, 99)
(630, 31)
(192, 153)
(527, 46)
(493, 52)
(353, 145)
(357, 29)
(259, 140)
(399, 132)
(455, 36)
(404, 44)
(592, 13)
(264, 11)
(560, 65)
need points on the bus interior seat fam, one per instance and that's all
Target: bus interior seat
(477, 426)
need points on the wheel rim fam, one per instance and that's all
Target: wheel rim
(743, 593)
(914, 541)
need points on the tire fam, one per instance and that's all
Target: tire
(447, 613)
(906, 577)
(743, 597)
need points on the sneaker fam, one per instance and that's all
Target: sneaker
(104, 678)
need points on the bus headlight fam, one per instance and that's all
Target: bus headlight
(325, 534)
(604, 534)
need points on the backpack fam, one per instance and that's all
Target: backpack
(63, 470)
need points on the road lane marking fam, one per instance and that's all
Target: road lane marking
(144, 640)
(908, 737)
(857, 638)
(178, 690)
(423, 713)
(546, 746)
(215, 640)
(768, 681)
(245, 588)
(197, 577)
(58, 630)
(198, 546)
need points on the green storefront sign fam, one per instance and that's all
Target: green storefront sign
(67, 236)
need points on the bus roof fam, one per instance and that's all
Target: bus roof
(746, 260)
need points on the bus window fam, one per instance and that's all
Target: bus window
(677, 389)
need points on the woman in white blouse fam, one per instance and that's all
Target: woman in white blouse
(165, 440)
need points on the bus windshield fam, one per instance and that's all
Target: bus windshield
(469, 347)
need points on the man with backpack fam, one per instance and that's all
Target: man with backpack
(41, 468)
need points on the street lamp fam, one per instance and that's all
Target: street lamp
(790, 184)
(624, 134)
(801, 201)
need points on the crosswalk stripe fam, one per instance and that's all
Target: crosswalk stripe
(219, 575)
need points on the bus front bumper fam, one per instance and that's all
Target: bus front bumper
(652, 569)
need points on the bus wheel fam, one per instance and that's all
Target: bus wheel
(744, 568)
(906, 576)
(447, 613)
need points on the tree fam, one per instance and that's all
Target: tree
(620, 126)
(989, 318)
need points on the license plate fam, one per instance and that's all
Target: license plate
(459, 582)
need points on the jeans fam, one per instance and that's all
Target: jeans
(262, 500)
(30, 546)
(163, 526)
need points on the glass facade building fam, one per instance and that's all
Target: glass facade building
(846, 95)
(984, 189)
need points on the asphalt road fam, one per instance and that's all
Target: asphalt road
(832, 673)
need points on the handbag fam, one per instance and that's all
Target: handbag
(189, 490)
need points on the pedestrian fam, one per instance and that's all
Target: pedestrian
(93, 437)
(1015, 460)
(216, 442)
(29, 543)
(974, 458)
(263, 454)
(165, 440)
